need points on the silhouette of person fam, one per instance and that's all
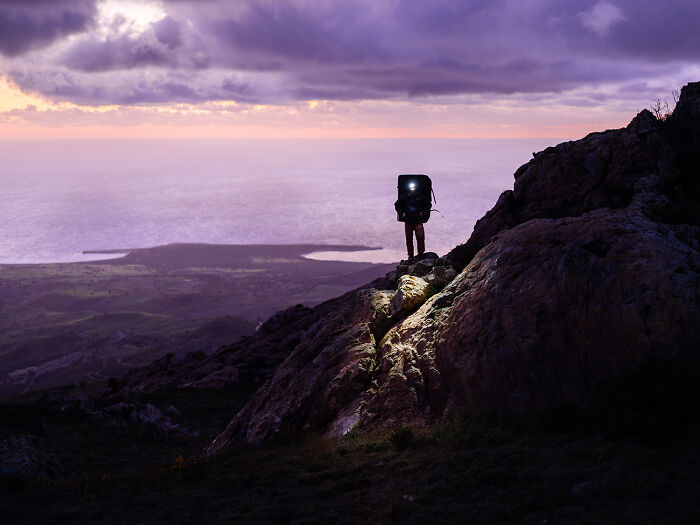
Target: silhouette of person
(420, 238)
(410, 206)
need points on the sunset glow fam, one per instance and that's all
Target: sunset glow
(24, 115)
(113, 68)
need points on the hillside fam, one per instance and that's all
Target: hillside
(89, 321)
(585, 270)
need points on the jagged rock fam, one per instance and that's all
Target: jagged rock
(542, 316)
(120, 409)
(411, 292)
(147, 415)
(588, 267)
(172, 411)
(420, 265)
(598, 171)
(325, 374)
(439, 276)
(22, 456)
(689, 102)
(150, 414)
(571, 279)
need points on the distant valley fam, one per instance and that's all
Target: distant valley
(88, 321)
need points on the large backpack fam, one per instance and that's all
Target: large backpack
(414, 198)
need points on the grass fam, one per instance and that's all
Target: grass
(564, 465)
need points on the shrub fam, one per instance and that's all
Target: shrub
(402, 438)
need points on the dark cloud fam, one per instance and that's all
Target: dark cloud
(656, 30)
(30, 24)
(298, 49)
(236, 88)
(130, 87)
(168, 31)
(118, 53)
(446, 17)
(162, 91)
(288, 32)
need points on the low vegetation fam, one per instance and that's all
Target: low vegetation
(632, 457)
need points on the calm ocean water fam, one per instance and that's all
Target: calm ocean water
(58, 198)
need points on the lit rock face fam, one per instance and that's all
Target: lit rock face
(411, 292)
(329, 376)
(589, 266)
(542, 316)
(321, 381)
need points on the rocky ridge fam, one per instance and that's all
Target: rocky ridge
(587, 268)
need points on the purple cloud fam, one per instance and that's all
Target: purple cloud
(301, 33)
(119, 53)
(168, 31)
(276, 50)
(31, 24)
(135, 87)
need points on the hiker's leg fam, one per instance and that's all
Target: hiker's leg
(408, 228)
(420, 238)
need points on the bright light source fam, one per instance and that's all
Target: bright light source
(130, 17)
(412, 186)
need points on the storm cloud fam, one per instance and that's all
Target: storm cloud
(31, 24)
(275, 51)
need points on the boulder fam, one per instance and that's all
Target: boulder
(22, 456)
(440, 276)
(411, 292)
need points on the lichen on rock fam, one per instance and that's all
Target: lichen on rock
(411, 292)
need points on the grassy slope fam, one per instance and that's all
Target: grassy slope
(632, 458)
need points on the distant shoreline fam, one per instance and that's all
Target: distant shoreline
(311, 252)
(206, 254)
(295, 247)
(91, 252)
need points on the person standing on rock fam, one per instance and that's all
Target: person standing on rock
(413, 209)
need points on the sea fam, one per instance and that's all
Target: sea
(59, 198)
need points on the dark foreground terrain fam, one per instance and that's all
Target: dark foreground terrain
(86, 321)
(632, 458)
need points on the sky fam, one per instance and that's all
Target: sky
(338, 68)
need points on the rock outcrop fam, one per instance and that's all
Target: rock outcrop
(589, 266)
(411, 291)
(23, 456)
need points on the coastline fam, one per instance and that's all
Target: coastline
(139, 304)
(301, 251)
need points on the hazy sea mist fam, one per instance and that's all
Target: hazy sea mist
(58, 198)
